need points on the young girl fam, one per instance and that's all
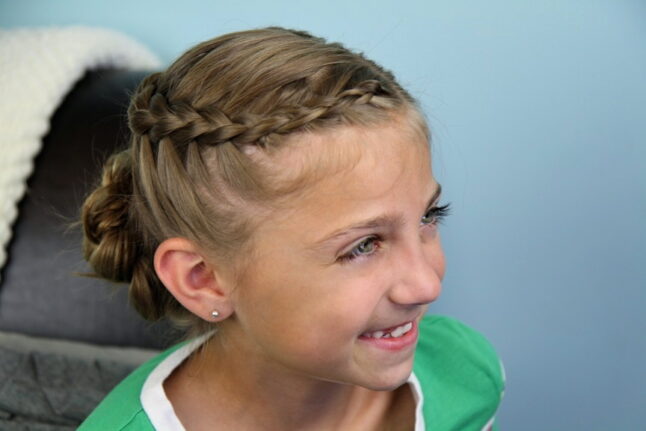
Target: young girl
(278, 198)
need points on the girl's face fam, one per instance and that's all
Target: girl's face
(337, 283)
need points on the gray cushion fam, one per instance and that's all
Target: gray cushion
(54, 385)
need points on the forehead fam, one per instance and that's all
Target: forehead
(333, 155)
(354, 167)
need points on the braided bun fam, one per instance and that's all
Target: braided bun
(112, 247)
(108, 244)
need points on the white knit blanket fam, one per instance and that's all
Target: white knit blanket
(38, 67)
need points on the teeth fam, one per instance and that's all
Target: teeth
(397, 332)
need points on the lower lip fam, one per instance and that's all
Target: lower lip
(394, 344)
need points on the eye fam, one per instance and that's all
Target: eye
(435, 215)
(364, 248)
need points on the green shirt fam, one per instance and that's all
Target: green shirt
(459, 373)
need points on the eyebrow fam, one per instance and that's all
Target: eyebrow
(389, 220)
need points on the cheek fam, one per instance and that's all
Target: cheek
(315, 334)
(296, 302)
(308, 315)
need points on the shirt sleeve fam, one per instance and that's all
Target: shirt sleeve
(461, 376)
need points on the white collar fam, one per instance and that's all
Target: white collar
(160, 411)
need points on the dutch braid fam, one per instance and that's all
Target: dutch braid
(180, 122)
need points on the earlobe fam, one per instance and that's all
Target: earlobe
(185, 272)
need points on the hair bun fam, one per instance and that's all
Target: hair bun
(108, 244)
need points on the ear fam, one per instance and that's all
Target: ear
(185, 272)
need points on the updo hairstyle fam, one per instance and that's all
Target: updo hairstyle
(190, 169)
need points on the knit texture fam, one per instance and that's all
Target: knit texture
(38, 67)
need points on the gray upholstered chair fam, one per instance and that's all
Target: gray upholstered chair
(66, 339)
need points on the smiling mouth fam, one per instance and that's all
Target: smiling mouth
(395, 332)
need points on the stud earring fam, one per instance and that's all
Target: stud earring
(215, 314)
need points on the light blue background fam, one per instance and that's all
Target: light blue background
(538, 111)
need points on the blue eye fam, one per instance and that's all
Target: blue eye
(366, 247)
(435, 215)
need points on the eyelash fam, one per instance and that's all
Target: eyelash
(435, 214)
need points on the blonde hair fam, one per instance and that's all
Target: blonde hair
(188, 171)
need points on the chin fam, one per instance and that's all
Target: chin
(390, 380)
(386, 386)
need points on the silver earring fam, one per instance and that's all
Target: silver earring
(215, 314)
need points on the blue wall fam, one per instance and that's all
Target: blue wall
(539, 117)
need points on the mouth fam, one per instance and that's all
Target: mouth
(398, 337)
(394, 332)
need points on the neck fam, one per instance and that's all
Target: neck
(261, 395)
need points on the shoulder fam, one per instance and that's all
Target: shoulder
(121, 409)
(460, 372)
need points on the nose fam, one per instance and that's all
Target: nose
(418, 271)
